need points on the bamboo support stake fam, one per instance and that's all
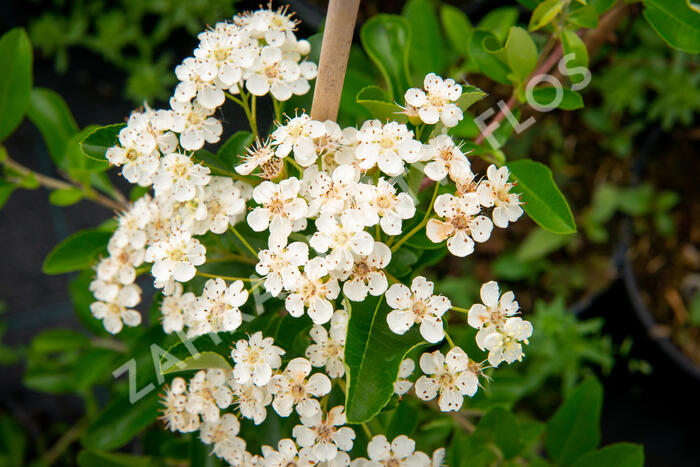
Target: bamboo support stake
(335, 50)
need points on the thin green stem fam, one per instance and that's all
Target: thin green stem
(254, 115)
(278, 106)
(367, 430)
(232, 257)
(459, 309)
(294, 163)
(421, 224)
(243, 241)
(226, 278)
(449, 340)
(250, 114)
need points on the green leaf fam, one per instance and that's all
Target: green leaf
(541, 198)
(675, 22)
(539, 243)
(78, 251)
(233, 149)
(13, 442)
(120, 421)
(112, 459)
(614, 455)
(501, 428)
(601, 6)
(545, 13)
(387, 40)
(521, 53)
(50, 113)
(6, 189)
(481, 44)
(65, 196)
(373, 354)
(58, 340)
(547, 97)
(583, 17)
(574, 429)
(201, 353)
(16, 80)
(470, 95)
(95, 144)
(457, 27)
(426, 55)
(499, 21)
(571, 43)
(375, 100)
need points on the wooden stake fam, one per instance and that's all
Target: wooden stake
(337, 39)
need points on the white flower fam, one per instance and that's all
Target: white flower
(298, 135)
(252, 400)
(262, 155)
(383, 205)
(175, 416)
(196, 80)
(280, 264)
(328, 349)
(195, 125)
(367, 274)
(222, 434)
(174, 307)
(287, 455)
(453, 376)
(114, 305)
(325, 437)
(445, 158)
(314, 292)
(417, 305)
(436, 103)
(137, 154)
(400, 453)
(273, 73)
(229, 48)
(119, 266)
(291, 388)
(402, 385)
(179, 176)
(255, 359)
(219, 306)
(387, 146)
(345, 239)
(176, 257)
(132, 230)
(280, 208)
(496, 192)
(224, 206)
(208, 393)
(329, 194)
(496, 308)
(461, 226)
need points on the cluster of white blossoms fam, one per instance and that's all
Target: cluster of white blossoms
(333, 208)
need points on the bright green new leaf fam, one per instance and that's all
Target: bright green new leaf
(499, 21)
(457, 27)
(426, 55)
(521, 53)
(373, 354)
(78, 251)
(571, 43)
(539, 243)
(121, 421)
(545, 13)
(481, 48)
(387, 41)
(574, 429)
(541, 198)
(112, 459)
(95, 144)
(234, 148)
(583, 17)
(65, 196)
(201, 353)
(675, 22)
(613, 455)
(16, 79)
(50, 113)
(470, 95)
(547, 96)
(379, 105)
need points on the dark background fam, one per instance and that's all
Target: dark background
(659, 410)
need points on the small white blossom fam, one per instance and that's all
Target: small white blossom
(261, 155)
(291, 388)
(218, 309)
(382, 204)
(400, 453)
(402, 385)
(175, 307)
(345, 239)
(436, 103)
(280, 208)
(313, 293)
(452, 376)
(114, 305)
(255, 359)
(195, 125)
(462, 226)
(496, 191)
(176, 257)
(272, 72)
(252, 400)
(386, 146)
(367, 274)
(221, 434)
(328, 349)
(325, 437)
(298, 135)
(417, 305)
(445, 158)
(280, 264)
(175, 416)
(179, 176)
(287, 455)
(208, 394)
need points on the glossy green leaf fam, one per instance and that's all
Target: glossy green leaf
(574, 429)
(675, 22)
(78, 251)
(201, 353)
(95, 144)
(112, 459)
(481, 44)
(614, 455)
(457, 27)
(387, 41)
(498, 21)
(234, 148)
(121, 421)
(50, 113)
(470, 95)
(547, 96)
(541, 197)
(501, 428)
(545, 13)
(65, 196)
(583, 17)
(426, 55)
(373, 354)
(572, 44)
(379, 105)
(16, 79)
(521, 53)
